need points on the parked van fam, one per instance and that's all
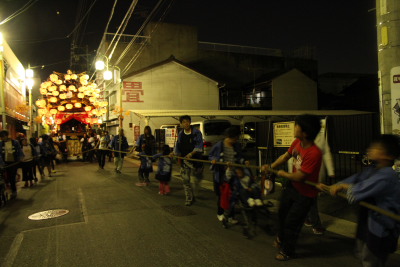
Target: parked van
(212, 131)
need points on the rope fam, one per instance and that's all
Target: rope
(387, 213)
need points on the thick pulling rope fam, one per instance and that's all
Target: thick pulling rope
(387, 213)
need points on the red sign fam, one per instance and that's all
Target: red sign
(396, 78)
(132, 85)
(133, 95)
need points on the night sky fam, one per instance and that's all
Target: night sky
(343, 32)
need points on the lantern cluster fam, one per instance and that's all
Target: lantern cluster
(71, 93)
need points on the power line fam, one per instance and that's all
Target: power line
(123, 24)
(20, 11)
(90, 8)
(128, 47)
(140, 50)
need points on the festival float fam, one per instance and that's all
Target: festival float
(70, 105)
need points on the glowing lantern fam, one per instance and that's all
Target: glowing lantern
(59, 82)
(82, 89)
(81, 95)
(74, 76)
(92, 99)
(62, 96)
(43, 85)
(95, 120)
(67, 77)
(72, 88)
(43, 91)
(56, 93)
(78, 105)
(48, 84)
(94, 111)
(69, 106)
(83, 82)
(63, 88)
(61, 108)
(41, 103)
(53, 111)
(88, 108)
(53, 99)
(42, 111)
(69, 94)
(88, 120)
(53, 77)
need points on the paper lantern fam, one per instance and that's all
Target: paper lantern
(62, 96)
(82, 89)
(43, 91)
(92, 99)
(67, 77)
(59, 82)
(95, 120)
(52, 88)
(53, 77)
(83, 82)
(53, 99)
(74, 76)
(78, 105)
(81, 95)
(56, 93)
(63, 87)
(72, 88)
(42, 111)
(88, 108)
(69, 106)
(61, 108)
(43, 85)
(41, 103)
(53, 111)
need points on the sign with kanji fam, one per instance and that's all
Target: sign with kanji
(283, 134)
(133, 92)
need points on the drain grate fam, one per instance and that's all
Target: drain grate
(178, 211)
(47, 214)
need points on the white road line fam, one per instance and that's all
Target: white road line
(13, 252)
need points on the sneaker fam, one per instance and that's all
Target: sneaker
(318, 231)
(259, 202)
(232, 221)
(251, 202)
(220, 217)
(307, 223)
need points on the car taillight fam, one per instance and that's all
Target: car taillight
(207, 144)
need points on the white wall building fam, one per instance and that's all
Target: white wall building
(168, 85)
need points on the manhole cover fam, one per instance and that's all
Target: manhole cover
(47, 214)
(178, 211)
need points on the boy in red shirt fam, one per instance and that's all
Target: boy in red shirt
(297, 197)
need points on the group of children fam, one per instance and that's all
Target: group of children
(377, 234)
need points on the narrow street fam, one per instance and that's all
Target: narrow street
(111, 222)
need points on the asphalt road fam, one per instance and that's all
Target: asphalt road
(111, 222)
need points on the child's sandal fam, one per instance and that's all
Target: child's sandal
(281, 256)
(277, 243)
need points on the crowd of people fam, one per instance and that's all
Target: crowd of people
(234, 185)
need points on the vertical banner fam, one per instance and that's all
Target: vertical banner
(395, 97)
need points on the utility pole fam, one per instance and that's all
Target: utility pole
(388, 32)
(2, 86)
